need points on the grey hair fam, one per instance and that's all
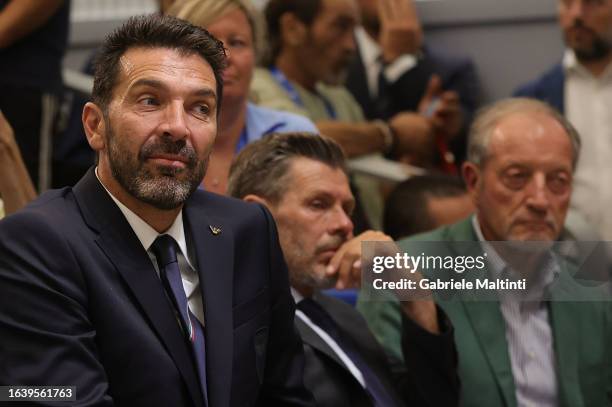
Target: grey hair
(489, 117)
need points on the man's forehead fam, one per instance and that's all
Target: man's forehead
(340, 9)
(164, 60)
(307, 174)
(523, 128)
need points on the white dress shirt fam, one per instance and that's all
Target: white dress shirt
(371, 56)
(147, 235)
(588, 102)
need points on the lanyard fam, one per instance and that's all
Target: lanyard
(282, 80)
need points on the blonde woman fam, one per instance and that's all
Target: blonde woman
(16, 188)
(235, 23)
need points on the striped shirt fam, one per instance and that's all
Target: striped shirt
(529, 336)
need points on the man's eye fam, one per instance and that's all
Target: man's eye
(203, 110)
(318, 204)
(515, 180)
(149, 101)
(559, 184)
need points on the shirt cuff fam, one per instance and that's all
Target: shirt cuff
(400, 66)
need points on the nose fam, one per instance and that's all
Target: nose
(538, 195)
(576, 9)
(348, 42)
(341, 223)
(175, 123)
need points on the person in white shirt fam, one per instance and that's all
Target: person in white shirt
(581, 88)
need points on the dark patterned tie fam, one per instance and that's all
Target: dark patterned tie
(164, 249)
(317, 314)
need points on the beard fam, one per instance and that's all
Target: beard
(598, 49)
(306, 271)
(309, 276)
(167, 190)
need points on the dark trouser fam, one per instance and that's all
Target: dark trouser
(31, 112)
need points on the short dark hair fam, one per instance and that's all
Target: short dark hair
(406, 211)
(153, 31)
(305, 10)
(261, 167)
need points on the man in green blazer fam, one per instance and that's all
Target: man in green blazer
(521, 158)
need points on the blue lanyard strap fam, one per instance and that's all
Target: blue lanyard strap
(282, 80)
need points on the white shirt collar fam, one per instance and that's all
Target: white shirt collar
(297, 297)
(145, 233)
(571, 65)
(368, 48)
(569, 60)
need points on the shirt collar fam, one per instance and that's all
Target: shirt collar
(297, 297)
(368, 48)
(570, 62)
(145, 233)
(571, 65)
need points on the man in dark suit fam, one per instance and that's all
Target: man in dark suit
(302, 179)
(393, 67)
(134, 286)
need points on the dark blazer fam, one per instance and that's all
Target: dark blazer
(550, 88)
(81, 305)
(427, 379)
(457, 74)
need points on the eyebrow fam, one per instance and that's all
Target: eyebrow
(154, 83)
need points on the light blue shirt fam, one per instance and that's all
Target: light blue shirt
(261, 121)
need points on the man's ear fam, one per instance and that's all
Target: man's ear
(293, 31)
(256, 198)
(472, 177)
(94, 126)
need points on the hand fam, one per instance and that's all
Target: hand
(7, 136)
(442, 108)
(400, 30)
(346, 263)
(415, 139)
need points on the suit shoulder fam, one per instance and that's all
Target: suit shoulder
(49, 211)
(228, 210)
(550, 78)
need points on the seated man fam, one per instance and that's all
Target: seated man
(136, 287)
(16, 188)
(521, 157)
(424, 203)
(312, 46)
(303, 181)
(393, 67)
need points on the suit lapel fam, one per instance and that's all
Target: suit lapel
(123, 249)
(563, 317)
(214, 248)
(489, 327)
(311, 338)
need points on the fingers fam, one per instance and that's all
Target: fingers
(346, 263)
(432, 92)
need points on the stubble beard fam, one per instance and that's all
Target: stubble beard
(165, 191)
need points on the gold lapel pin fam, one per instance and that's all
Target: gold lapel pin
(215, 230)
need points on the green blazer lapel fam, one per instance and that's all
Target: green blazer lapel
(563, 315)
(488, 324)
